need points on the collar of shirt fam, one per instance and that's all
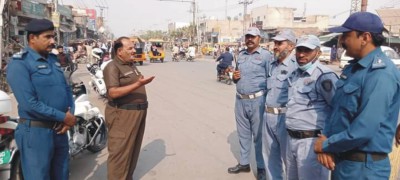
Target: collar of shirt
(36, 56)
(258, 50)
(311, 69)
(367, 60)
(121, 62)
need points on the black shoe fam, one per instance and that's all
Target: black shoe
(261, 174)
(239, 168)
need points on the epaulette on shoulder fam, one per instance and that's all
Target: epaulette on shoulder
(378, 63)
(19, 55)
(52, 54)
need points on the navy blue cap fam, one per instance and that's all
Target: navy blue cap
(39, 25)
(361, 21)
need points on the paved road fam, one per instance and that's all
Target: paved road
(190, 131)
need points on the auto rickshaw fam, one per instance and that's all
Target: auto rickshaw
(207, 49)
(140, 56)
(156, 50)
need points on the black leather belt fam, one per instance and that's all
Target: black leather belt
(136, 106)
(360, 156)
(303, 134)
(41, 124)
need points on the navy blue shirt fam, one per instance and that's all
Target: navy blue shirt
(227, 59)
(365, 107)
(39, 86)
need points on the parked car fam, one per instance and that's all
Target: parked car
(385, 49)
(325, 54)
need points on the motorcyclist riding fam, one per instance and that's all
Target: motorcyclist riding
(225, 61)
(175, 51)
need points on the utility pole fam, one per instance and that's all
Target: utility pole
(226, 9)
(245, 4)
(355, 6)
(101, 10)
(194, 14)
(57, 26)
(364, 4)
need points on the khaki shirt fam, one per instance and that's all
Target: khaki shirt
(118, 74)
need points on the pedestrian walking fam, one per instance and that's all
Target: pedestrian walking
(274, 133)
(250, 78)
(312, 87)
(45, 105)
(365, 107)
(125, 111)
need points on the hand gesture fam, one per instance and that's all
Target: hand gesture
(318, 143)
(236, 75)
(62, 128)
(69, 119)
(142, 81)
(327, 160)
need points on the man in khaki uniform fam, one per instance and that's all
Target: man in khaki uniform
(125, 112)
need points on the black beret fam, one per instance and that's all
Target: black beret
(39, 25)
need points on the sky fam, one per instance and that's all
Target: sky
(126, 16)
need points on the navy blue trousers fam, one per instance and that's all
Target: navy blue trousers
(44, 153)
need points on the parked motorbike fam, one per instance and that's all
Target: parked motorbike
(10, 163)
(226, 75)
(97, 81)
(90, 131)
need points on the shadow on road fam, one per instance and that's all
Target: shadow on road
(89, 166)
(233, 140)
(150, 155)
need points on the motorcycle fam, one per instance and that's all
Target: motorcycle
(97, 81)
(226, 75)
(10, 163)
(90, 131)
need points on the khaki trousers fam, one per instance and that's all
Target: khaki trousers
(125, 134)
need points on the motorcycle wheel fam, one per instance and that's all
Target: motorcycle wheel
(16, 169)
(100, 140)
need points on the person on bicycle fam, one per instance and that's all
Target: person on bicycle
(225, 61)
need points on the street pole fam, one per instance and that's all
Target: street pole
(245, 3)
(2, 4)
(55, 2)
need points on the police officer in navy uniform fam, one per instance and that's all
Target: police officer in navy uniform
(311, 88)
(250, 79)
(45, 105)
(365, 107)
(274, 133)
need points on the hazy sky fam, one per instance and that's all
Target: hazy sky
(124, 16)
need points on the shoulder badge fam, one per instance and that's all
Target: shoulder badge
(378, 63)
(19, 55)
(42, 66)
(327, 85)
